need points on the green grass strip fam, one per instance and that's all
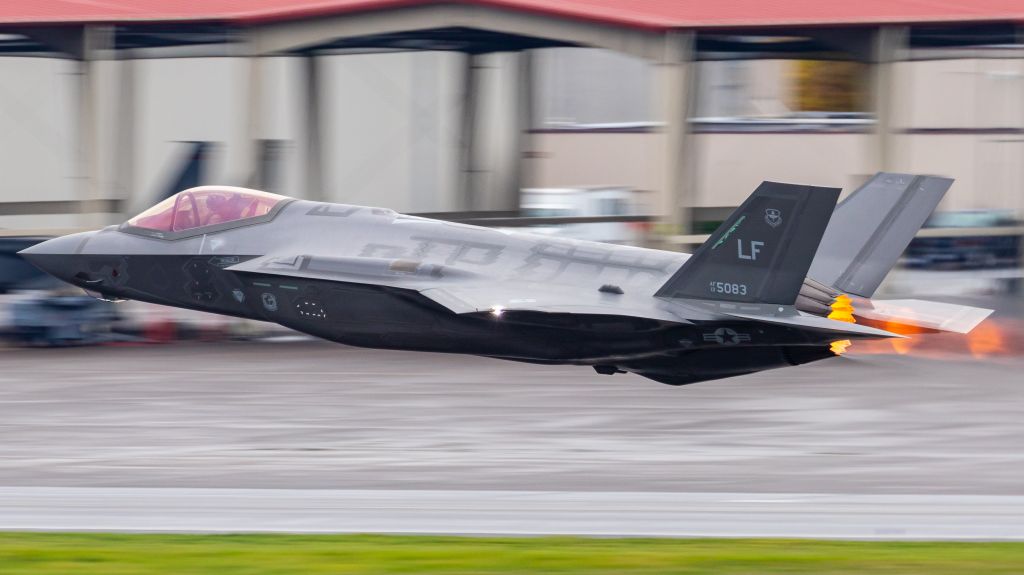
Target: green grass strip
(128, 554)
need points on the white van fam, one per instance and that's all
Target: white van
(583, 202)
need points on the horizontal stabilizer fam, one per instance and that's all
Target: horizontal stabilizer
(842, 329)
(923, 314)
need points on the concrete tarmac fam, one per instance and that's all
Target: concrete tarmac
(589, 513)
(852, 447)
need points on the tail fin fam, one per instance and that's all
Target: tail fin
(865, 237)
(871, 228)
(761, 253)
(190, 174)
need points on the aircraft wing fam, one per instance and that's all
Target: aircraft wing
(374, 271)
(522, 296)
(462, 291)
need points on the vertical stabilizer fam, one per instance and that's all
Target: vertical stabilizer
(761, 253)
(871, 228)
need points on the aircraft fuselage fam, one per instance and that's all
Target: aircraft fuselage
(364, 287)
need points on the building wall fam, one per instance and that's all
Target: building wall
(963, 118)
(586, 86)
(37, 136)
(731, 165)
(969, 93)
(742, 88)
(957, 118)
(988, 169)
(569, 159)
(391, 129)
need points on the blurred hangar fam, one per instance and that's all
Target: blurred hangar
(455, 107)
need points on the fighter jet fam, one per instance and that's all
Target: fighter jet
(785, 280)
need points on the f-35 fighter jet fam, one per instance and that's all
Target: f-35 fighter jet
(763, 292)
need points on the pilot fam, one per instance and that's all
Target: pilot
(216, 206)
(225, 208)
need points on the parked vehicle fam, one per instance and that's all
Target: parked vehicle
(66, 316)
(15, 272)
(966, 250)
(583, 202)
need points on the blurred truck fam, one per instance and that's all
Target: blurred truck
(556, 203)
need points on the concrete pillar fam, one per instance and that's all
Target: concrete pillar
(94, 40)
(467, 167)
(313, 129)
(676, 95)
(251, 108)
(425, 135)
(525, 122)
(888, 47)
(124, 139)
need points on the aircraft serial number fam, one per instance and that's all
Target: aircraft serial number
(728, 288)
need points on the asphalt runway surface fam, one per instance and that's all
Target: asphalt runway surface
(311, 436)
(588, 513)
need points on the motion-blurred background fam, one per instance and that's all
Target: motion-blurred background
(650, 120)
(635, 122)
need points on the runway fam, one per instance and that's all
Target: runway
(309, 436)
(603, 514)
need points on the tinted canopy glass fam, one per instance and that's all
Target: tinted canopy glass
(206, 206)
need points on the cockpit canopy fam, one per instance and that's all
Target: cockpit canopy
(206, 206)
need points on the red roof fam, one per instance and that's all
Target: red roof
(657, 14)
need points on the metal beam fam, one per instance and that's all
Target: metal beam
(676, 89)
(64, 41)
(52, 207)
(285, 37)
(999, 53)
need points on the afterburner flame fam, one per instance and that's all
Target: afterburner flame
(986, 340)
(991, 338)
(839, 347)
(842, 309)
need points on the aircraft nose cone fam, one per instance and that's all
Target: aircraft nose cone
(52, 256)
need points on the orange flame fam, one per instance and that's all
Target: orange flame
(902, 346)
(993, 337)
(838, 347)
(986, 339)
(842, 310)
